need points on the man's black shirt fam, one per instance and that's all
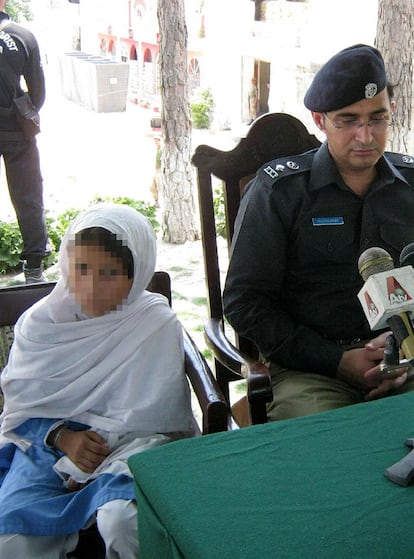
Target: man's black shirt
(293, 277)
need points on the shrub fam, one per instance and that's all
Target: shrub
(11, 246)
(19, 10)
(219, 212)
(56, 228)
(202, 107)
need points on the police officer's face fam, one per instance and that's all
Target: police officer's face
(357, 134)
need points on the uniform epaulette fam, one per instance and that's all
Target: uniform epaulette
(286, 166)
(400, 159)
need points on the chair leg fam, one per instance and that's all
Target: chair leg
(240, 412)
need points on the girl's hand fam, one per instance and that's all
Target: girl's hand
(86, 449)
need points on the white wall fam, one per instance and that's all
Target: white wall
(227, 23)
(330, 26)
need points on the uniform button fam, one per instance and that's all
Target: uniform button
(329, 247)
(365, 242)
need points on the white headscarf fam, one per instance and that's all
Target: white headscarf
(120, 372)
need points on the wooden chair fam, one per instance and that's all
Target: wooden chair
(215, 412)
(271, 136)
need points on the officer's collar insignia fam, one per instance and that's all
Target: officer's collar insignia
(407, 159)
(292, 165)
(274, 172)
(370, 90)
(271, 172)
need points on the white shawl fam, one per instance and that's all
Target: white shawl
(120, 372)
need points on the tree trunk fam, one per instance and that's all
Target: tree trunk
(176, 183)
(395, 40)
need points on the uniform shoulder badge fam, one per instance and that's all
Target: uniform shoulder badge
(286, 166)
(400, 159)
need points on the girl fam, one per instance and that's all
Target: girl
(95, 374)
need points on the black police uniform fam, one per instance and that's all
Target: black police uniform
(19, 56)
(293, 277)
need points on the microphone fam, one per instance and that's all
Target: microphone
(387, 299)
(407, 255)
(373, 261)
(390, 290)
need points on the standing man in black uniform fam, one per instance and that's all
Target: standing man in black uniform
(293, 277)
(19, 56)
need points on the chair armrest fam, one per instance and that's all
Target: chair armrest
(215, 408)
(223, 350)
(259, 385)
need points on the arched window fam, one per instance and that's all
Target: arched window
(133, 53)
(194, 67)
(103, 47)
(147, 55)
(193, 74)
(112, 48)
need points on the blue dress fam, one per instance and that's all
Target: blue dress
(33, 498)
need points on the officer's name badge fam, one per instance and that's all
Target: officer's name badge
(327, 221)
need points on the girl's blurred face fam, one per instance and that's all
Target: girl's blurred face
(98, 280)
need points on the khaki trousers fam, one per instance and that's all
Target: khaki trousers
(296, 393)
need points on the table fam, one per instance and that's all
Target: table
(311, 487)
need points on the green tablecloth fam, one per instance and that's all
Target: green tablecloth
(311, 487)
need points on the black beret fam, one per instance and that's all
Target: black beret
(355, 73)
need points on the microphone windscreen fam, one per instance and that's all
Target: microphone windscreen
(374, 260)
(407, 255)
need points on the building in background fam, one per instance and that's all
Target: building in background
(280, 43)
(287, 42)
(130, 34)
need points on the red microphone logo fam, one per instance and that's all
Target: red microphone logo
(371, 306)
(396, 293)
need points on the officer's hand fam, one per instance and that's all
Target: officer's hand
(378, 342)
(354, 364)
(385, 381)
(386, 385)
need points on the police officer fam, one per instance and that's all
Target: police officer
(19, 56)
(293, 278)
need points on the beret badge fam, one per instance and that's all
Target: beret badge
(370, 90)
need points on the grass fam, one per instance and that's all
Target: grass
(207, 354)
(188, 314)
(199, 301)
(177, 296)
(240, 386)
